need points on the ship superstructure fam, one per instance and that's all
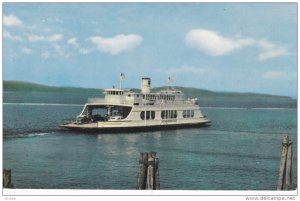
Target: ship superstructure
(127, 110)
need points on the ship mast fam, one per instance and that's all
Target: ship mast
(122, 77)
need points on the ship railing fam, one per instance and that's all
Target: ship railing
(96, 100)
(114, 101)
(77, 120)
(175, 102)
(192, 101)
(69, 121)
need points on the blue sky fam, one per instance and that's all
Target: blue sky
(242, 47)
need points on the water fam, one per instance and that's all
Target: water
(240, 151)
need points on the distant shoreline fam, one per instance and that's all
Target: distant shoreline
(205, 107)
(21, 86)
(30, 93)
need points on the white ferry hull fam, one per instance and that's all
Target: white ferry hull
(93, 127)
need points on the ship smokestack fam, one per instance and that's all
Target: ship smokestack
(146, 83)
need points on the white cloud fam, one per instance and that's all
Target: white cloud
(59, 51)
(278, 52)
(45, 55)
(116, 44)
(275, 75)
(12, 20)
(85, 51)
(26, 50)
(214, 44)
(270, 50)
(36, 38)
(73, 42)
(51, 38)
(55, 37)
(8, 35)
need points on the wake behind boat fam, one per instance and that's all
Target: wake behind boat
(126, 110)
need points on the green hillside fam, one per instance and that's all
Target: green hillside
(28, 86)
(194, 92)
(188, 91)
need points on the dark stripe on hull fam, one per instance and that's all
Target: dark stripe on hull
(138, 128)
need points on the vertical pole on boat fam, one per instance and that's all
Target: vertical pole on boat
(146, 108)
(122, 77)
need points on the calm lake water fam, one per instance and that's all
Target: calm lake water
(240, 151)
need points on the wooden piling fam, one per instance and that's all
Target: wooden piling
(156, 176)
(288, 173)
(148, 177)
(285, 170)
(7, 178)
(141, 183)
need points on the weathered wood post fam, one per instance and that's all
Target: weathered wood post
(285, 181)
(150, 172)
(7, 178)
(148, 176)
(141, 183)
(156, 177)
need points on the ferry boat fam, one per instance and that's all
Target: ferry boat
(126, 110)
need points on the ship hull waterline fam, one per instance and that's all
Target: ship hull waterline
(135, 128)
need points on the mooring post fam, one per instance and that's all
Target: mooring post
(285, 170)
(7, 178)
(156, 178)
(148, 177)
(288, 173)
(150, 173)
(141, 182)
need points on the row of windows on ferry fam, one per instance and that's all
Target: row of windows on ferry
(166, 114)
(115, 92)
(147, 96)
(158, 97)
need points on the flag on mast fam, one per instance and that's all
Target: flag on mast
(170, 80)
(122, 76)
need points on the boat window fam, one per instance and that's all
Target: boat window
(168, 114)
(188, 113)
(149, 115)
(142, 115)
(152, 115)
